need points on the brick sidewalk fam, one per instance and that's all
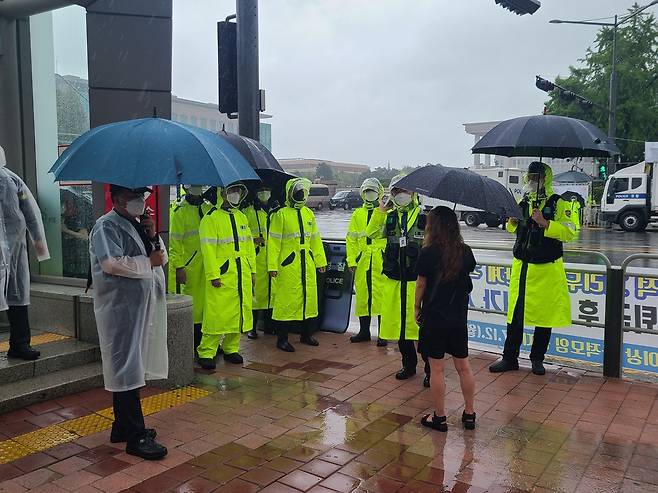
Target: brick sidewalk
(333, 418)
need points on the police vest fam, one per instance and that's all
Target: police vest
(402, 245)
(531, 245)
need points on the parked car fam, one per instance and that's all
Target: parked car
(346, 199)
(318, 197)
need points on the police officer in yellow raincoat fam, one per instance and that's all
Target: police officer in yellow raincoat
(574, 211)
(258, 216)
(294, 253)
(185, 258)
(229, 261)
(403, 227)
(365, 259)
(538, 292)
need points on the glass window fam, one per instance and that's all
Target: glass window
(61, 114)
(621, 185)
(514, 179)
(317, 191)
(636, 183)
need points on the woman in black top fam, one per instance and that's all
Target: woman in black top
(442, 293)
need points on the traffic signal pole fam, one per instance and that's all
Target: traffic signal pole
(248, 83)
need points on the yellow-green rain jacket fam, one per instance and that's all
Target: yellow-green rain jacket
(397, 294)
(295, 251)
(546, 301)
(367, 255)
(258, 223)
(185, 252)
(228, 255)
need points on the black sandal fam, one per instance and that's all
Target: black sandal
(468, 420)
(438, 423)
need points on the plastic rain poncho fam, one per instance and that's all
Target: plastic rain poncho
(129, 304)
(19, 214)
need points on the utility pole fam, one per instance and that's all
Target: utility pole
(248, 83)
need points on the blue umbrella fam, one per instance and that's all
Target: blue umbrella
(152, 151)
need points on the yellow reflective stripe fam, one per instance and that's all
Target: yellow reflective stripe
(276, 235)
(184, 234)
(222, 241)
(356, 234)
(289, 235)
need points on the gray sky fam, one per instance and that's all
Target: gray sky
(380, 81)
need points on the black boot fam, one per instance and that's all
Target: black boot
(504, 365)
(382, 342)
(207, 363)
(25, 353)
(309, 340)
(405, 373)
(234, 358)
(364, 330)
(284, 345)
(252, 334)
(538, 368)
(146, 448)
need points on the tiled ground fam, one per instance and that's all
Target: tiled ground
(333, 419)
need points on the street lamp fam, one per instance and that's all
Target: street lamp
(612, 102)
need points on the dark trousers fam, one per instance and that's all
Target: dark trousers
(128, 416)
(197, 335)
(365, 321)
(266, 315)
(541, 339)
(19, 327)
(303, 327)
(410, 356)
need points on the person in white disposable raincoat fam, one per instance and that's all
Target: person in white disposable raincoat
(131, 313)
(19, 214)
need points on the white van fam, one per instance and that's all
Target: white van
(318, 197)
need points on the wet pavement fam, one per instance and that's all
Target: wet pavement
(333, 419)
(614, 243)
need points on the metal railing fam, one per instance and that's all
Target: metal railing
(613, 326)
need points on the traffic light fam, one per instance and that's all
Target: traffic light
(603, 169)
(543, 84)
(227, 51)
(520, 7)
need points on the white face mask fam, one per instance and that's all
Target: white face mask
(402, 199)
(370, 195)
(264, 196)
(234, 198)
(135, 207)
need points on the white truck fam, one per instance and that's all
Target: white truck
(630, 197)
(510, 178)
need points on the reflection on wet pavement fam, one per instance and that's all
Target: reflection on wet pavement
(333, 419)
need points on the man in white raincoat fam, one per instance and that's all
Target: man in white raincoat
(19, 214)
(131, 313)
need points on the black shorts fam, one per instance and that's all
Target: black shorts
(435, 342)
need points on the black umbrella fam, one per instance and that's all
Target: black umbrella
(572, 177)
(546, 136)
(461, 186)
(259, 156)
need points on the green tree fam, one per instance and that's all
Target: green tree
(324, 171)
(637, 82)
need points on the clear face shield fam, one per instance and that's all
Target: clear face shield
(299, 193)
(534, 182)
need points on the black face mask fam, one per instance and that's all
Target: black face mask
(298, 196)
(194, 199)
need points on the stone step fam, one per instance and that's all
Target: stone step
(55, 356)
(51, 385)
